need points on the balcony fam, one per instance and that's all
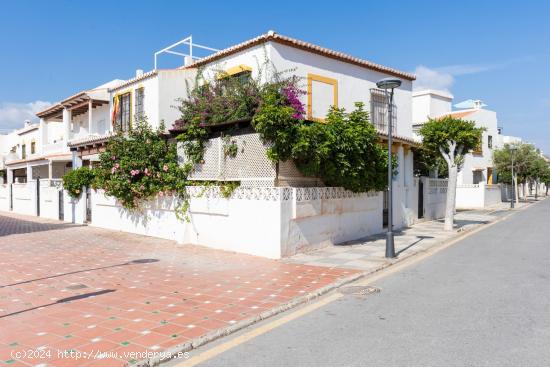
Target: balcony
(57, 147)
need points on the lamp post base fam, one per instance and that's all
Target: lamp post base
(390, 249)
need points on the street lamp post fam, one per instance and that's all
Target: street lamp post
(512, 152)
(391, 84)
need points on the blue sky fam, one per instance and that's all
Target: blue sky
(497, 51)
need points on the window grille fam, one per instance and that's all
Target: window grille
(379, 111)
(140, 96)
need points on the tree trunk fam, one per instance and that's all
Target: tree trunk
(451, 198)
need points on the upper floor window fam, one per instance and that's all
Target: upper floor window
(240, 73)
(490, 142)
(322, 93)
(23, 151)
(379, 111)
(139, 99)
(121, 112)
(33, 147)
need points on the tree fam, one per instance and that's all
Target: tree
(528, 165)
(451, 138)
(545, 177)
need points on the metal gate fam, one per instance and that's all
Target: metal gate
(420, 199)
(88, 204)
(385, 209)
(61, 205)
(38, 196)
(11, 196)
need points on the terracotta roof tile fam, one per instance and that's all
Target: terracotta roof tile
(272, 36)
(458, 114)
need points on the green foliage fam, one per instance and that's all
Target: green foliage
(276, 123)
(438, 133)
(193, 140)
(76, 179)
(141, 166)
(427, 163)
(230, 147)
(343, 151)
(528, 163)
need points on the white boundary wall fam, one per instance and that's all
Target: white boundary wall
(5, 197)
(477, 196)
(74, 210)
(435, 197)
(24, 198)
(266, 221)
(49, 200)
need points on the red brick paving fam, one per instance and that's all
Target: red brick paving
(80, 289)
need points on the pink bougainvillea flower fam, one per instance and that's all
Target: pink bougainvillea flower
(165, 168)
(113, 158)
(161, 193)
(117, 165)
(113, 170)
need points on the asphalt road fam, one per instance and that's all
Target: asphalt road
(484, 301)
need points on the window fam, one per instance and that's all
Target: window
(139, 103)
(122, 112)
(379, 111)
(479, 147)
(33, 147)
(322, 93)
(242, 73)
(23, 151)
(490, 142)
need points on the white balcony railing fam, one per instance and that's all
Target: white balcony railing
(58, 147)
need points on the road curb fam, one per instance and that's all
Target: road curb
(170, 353)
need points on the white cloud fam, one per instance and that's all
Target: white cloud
(443, 78)
(13, 115)
(427, 78)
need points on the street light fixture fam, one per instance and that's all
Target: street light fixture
(391, 84)
(512, 202)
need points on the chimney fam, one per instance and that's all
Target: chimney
(187, 60)
(139, 72)
(478, 104)
(27, 123)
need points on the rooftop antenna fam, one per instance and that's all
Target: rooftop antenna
(188, 58)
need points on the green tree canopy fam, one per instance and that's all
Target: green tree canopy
(528, 163)
(450, 136)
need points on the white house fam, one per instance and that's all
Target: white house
(475, 180)
(478, 164)
(18, 146)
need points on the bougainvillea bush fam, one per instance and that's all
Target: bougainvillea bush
(140, 167)
(343, 151)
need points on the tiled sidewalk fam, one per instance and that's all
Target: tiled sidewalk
(83, 289)
(369, 254)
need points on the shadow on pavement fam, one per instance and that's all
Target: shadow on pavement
(10, 225)
(133, 262)
(62, 300)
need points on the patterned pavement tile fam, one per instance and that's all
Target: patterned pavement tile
(78, 289)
